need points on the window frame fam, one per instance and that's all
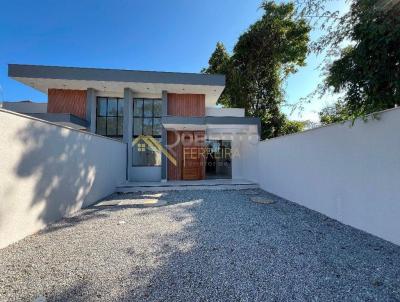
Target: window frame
(116, 116)
(142, 116)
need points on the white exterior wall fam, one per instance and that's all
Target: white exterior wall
(246, 165)
(351, 174)
(242, 137)
(215, 111)
(49, 171)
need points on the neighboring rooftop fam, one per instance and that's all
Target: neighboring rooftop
(39, 110)
(24, 106)
(22, 101)
(114, 81)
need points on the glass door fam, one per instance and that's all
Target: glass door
(218, 162)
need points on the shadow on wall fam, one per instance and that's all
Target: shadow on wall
(57, 165)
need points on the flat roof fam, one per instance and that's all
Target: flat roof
(114, 75)
(111, 82)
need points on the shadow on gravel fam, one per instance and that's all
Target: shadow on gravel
(231, 249)
(74, 293)
(219, 246)
(70, 222)
(97, 211)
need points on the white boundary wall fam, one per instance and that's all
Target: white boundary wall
(351, 174)
(49, 171)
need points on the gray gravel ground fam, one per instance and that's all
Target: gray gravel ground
(201, 246)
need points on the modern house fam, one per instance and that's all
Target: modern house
(177, 111)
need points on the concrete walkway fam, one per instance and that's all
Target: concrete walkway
(200, 246)
(182, 185)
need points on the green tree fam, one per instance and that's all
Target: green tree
(290, 127)
(269, 51)
(219, 63)
(368, 72)
(333, 114)
(362, 62)
(219, 60)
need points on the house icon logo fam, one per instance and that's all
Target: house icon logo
(147, 141)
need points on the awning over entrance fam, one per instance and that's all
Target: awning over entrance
(210, 122)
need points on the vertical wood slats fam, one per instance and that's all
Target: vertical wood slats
(194, 157)
(67, 101)
(186, 104)
(174, 172)
(196, 168)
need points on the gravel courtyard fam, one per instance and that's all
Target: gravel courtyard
(200, 246)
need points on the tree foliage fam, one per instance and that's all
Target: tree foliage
(333, 114)
(270, 50)
(293, 126)
(368, 72)
(219, 63)
(362, 60)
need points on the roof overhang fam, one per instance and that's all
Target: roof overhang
(113, 81)
(212, 123)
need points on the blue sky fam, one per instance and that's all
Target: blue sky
(176, 35)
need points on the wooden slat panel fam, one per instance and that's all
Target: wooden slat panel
(174, 172)
(194, 169)
(186, 104)
(67, 101)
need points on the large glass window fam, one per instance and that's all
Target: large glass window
(219, 162)
(146, 121)
(109, 116)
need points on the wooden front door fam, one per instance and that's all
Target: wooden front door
(193, 165)
(189, 153)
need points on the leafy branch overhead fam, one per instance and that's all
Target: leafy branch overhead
(361, 65)
(362, 57)
(270, 50)
(368, 71)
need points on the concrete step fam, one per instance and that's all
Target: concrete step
(186, 185)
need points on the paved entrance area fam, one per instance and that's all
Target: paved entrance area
(198, 246)
(182, 185)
